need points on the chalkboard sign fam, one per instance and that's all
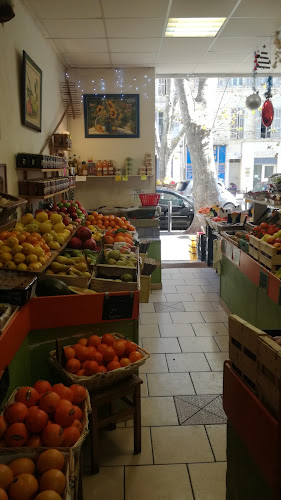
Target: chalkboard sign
(117, 306)
(263, 281)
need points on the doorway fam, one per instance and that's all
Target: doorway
(235, 173)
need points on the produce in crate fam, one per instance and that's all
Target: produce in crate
(118, 236)
(53, 227)
(24, 477)
(91, 256)
(53, 416)
(83, 239)
(73, 266)
(100, 354)
(270, 233)
(23, 251)
(105, 221)
(120, 258)
(70, 209)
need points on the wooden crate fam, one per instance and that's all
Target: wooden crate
(145, 282)
(254, 247)
(80, 281)
(269, 374)
(243, 349)
(269, 256)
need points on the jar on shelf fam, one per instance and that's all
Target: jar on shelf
(104, 167)
(99, 168)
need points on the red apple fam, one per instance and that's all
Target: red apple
(56, 208)
(75, 243)
(84, 233)
(278, 240)
(270, 240)
(38, 210)
(63, 210)
(65, 220)
(90, 244)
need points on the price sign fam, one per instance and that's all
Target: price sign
(117, 306)
(229, 248)
(263, 281)
(118, 178)
(143, 177)
(124, 178)
(236, 256)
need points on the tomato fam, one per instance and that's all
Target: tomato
(264, 225)
(257, 229)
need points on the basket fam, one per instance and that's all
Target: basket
(86, 409)
(149, 199)
(7, 210)
(100, 380)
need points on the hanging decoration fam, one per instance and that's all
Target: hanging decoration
(263, 59)
(267, 113)
(253, 101)
(6, 11)
(277, 54)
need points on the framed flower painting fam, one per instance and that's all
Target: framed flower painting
(31, 93)
(111, 115)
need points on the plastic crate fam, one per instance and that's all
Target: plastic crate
(149, 199)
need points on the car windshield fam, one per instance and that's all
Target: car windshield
(181, 186)
(177, 199)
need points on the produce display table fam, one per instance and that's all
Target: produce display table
(31, 334)
(253, 444)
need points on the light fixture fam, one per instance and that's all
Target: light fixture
(193, 26)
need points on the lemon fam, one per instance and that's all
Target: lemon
(27, 248)
(48, 237)
(59, 227)
(34, 266)
(12, 241)
(5, 257)
(42, 216)
(54, 245)
(38, 251)
(42, 260)
(19, 227)
(22, 267)
(33, 227)
(55, 218)
(16, 249)
(10, 265)
(45, 227)
(27, 218)
(19, 258)
(60, 238)
(31, 258)
(5, 249)
(39, 264)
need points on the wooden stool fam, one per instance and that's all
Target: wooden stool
(106, 396)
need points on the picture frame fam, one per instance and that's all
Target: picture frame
(3, 178)
(31, 93)
(111, 116)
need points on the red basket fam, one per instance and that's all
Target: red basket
(149, 199)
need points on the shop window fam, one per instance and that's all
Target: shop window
(268, 171)
(162, 86)
(237, 123)
(160, 123)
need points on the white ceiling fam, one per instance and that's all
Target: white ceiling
(130, 33)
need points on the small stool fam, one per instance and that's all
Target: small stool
(106, 396)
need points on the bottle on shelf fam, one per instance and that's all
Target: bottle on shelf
(70, 164)
(99, 168)
(75, 165)
(104, 167)
(79, 166)
(84, 168)
(110, 167)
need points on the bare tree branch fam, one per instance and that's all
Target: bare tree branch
(201, 90)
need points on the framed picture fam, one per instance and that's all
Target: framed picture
(31, 93)
(111, 115)
(3, 178)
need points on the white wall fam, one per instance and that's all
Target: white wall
(98, 192)
(15, 36)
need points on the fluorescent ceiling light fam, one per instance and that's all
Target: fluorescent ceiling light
(193, 26)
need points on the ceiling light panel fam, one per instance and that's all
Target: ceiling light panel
(193, 26)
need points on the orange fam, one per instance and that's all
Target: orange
(99, 217)
(80, 373)
(34, 441)
(82, 352)
(4, 235)
(106, 223)
(49, 401)
(102, 348)
(48, 495)
(80, 394)
(71, 435)
(63, 392)
(31, 239)
(21, 465)
(117, 226)
(94, 341)
(65, 413)
(119, 347)
(50, 459)
(3, 426)
(92, 353)
(108, 339)
(102, 369)
(90, 367)
(37, 236)
(73, 365)
(131, 228)
(16, 435)
(6, 476)
(82, 341)
(99, 358)
(135, 356)
(36, 421)
(3, 494)
(42, 386)
(130, 347)
(109, 355)
(95, 214)
(69, 353)
(77, 424)
(119, 238)
(23, 487)
(15, 413)
(78, 413)
(52, 435)
(125, 362)
(113, 365)
(27, 395)
(53, 478)
(112, 223)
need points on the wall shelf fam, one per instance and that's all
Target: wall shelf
(26, 169)
(30, 196)
(83, 178)
(262, 202)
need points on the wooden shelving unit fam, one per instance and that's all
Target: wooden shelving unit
(45, 170)
(31, 196)
(83, 178)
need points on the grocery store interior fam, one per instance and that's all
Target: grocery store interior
(140, 250)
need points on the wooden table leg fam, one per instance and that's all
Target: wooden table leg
(137, 420)
(95, 440)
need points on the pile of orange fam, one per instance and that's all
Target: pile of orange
(24, 478)
(112, 236)
(43, 416)
(100, 354)
(106, 221)
(23, 251)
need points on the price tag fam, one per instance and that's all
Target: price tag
(118, 178)
(124, 177)
(117, 306)
(263, 281)
(229, 250)
(143, 177)
(236, 256)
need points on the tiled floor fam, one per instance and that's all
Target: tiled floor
(183, 423)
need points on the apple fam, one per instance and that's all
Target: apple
(39, 210)
(84, 233)
(71, 210)
(74, 216)
(78, 221)
(277, 245)
(90, 244)
(65, 220)
(278, 240)
(270, 240)
(75, 243)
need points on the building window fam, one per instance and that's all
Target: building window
(160, 123)
(234, 82)
(276, 124)
(237, 123)
(272, 132)
(162, 87)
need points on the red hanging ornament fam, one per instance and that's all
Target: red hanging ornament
(267, 113)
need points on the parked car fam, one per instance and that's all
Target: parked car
(182, 209)
(226, 199)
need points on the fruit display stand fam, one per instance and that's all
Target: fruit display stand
(32, 333)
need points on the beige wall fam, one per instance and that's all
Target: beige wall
(15, 36)
(98, 192)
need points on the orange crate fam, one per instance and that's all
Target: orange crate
(269, 256)
(254, 247)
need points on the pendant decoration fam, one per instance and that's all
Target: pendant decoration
(253, 101)
(267, 113)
